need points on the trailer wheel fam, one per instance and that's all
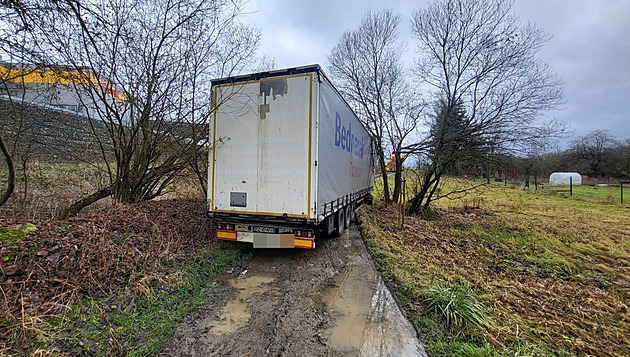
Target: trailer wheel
(353, 213)
(329, 225)
(340, 221)
(348, 215)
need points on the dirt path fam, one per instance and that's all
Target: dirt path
(327, 302)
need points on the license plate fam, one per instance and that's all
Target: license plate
(263, 229)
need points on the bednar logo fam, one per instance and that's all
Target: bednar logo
(346, 139)
(355, 171)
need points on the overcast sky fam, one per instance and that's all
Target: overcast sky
(590, 48)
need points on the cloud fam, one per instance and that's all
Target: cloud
(589, 48)
(591, 52)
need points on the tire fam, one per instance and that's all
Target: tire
(353, 213)
(348, 215)
(340, 221)
(329, 226)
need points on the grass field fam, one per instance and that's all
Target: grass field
(506, 272)
(606, 194)
(600, 194)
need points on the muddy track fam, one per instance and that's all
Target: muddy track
(326, 302)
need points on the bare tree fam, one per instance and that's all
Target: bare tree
(366, 65)
(215, 57)
(141, 69)
(536, 153)
(12, 12)
(476, 54)
(17, 119)
(623, 159)
(593, 150)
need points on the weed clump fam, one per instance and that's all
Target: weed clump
(458, 306)
(429, 214)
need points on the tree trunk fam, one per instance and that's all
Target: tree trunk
(26, 182)
(86, 201)
(429, 198)
(11, 181)
(488, 173)
(416, 203)
(397, 179)
(386, 195)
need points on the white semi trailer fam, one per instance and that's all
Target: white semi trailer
(288, 158)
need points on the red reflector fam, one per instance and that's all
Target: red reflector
(303, 243)
(226, 235)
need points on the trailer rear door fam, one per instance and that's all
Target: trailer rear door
(260, 160)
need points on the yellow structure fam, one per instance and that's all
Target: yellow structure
(37, 76)
(391, 163)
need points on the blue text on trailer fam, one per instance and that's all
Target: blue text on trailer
(346, 139)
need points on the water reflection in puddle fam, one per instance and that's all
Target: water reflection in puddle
(368, 321)
(350, 301)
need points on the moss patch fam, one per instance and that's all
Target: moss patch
(15, 234)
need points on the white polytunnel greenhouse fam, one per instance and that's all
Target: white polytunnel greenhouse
(564, 178)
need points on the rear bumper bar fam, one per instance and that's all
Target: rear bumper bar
(267, 240)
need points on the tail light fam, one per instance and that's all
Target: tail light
(303, 233)
(225, 226)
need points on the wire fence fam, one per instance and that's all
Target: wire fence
(601, 193)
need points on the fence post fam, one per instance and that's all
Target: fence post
(621, 185)
(570, 185)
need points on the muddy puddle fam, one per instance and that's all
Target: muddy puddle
(349, 300)
(367, 321)
(236, 312)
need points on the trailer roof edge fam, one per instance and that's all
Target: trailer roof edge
(266, 74)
